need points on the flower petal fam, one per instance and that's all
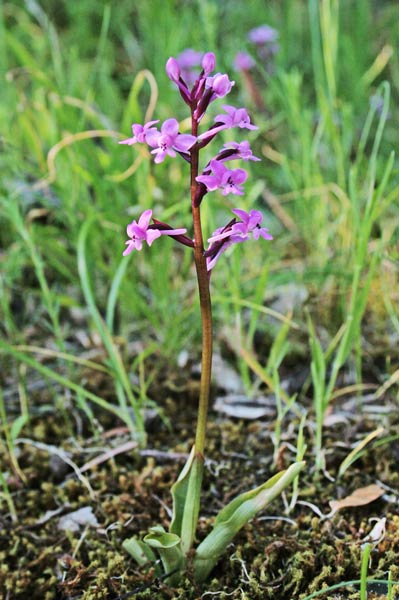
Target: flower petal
(172, 232)
(129, 141)
(210, 181)
(145, 219)
(220, 236)
(218, 168)
(130, 247)
(170, 127)
(262, 232)
(152, 137)
(239, 176)
(151, 235)
(242, 214)
(184, 141)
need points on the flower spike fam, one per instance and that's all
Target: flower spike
(176, 546)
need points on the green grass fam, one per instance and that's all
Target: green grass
(321, 298)
(75, 77)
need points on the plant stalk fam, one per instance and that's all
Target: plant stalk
(205, 304)
(193, 492)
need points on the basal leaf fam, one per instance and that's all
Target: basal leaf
(235, 515)
(179, 493)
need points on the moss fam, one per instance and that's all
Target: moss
(274, 558)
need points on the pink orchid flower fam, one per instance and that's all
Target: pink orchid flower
(142, 231)
(168, 140)
(228, 180)
(140, 132)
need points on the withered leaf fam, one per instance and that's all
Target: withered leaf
(359, 497)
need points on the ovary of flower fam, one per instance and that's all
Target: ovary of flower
(140, 132)
(228, 180)
(166, 141)
(242, 150)
(139, 232)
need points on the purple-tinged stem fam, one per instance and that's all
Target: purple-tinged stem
(205, 300)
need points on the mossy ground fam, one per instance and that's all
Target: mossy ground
(279, 555)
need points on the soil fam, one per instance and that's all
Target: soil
(65, 465)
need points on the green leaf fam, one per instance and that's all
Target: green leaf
(192, 504)
(355, 454)
(161, 539)
(168, 547)
(140, 551)
(179, 493)
(17, 426)
(186, 498)
(235, 515)
(64, 381)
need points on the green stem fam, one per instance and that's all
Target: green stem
(363, 572)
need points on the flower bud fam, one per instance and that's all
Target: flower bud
(173, 69)
(208, 62)
(220, 84)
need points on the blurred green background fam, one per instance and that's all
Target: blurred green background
(76, 75)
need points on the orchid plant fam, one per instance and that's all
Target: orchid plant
(175, 547)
